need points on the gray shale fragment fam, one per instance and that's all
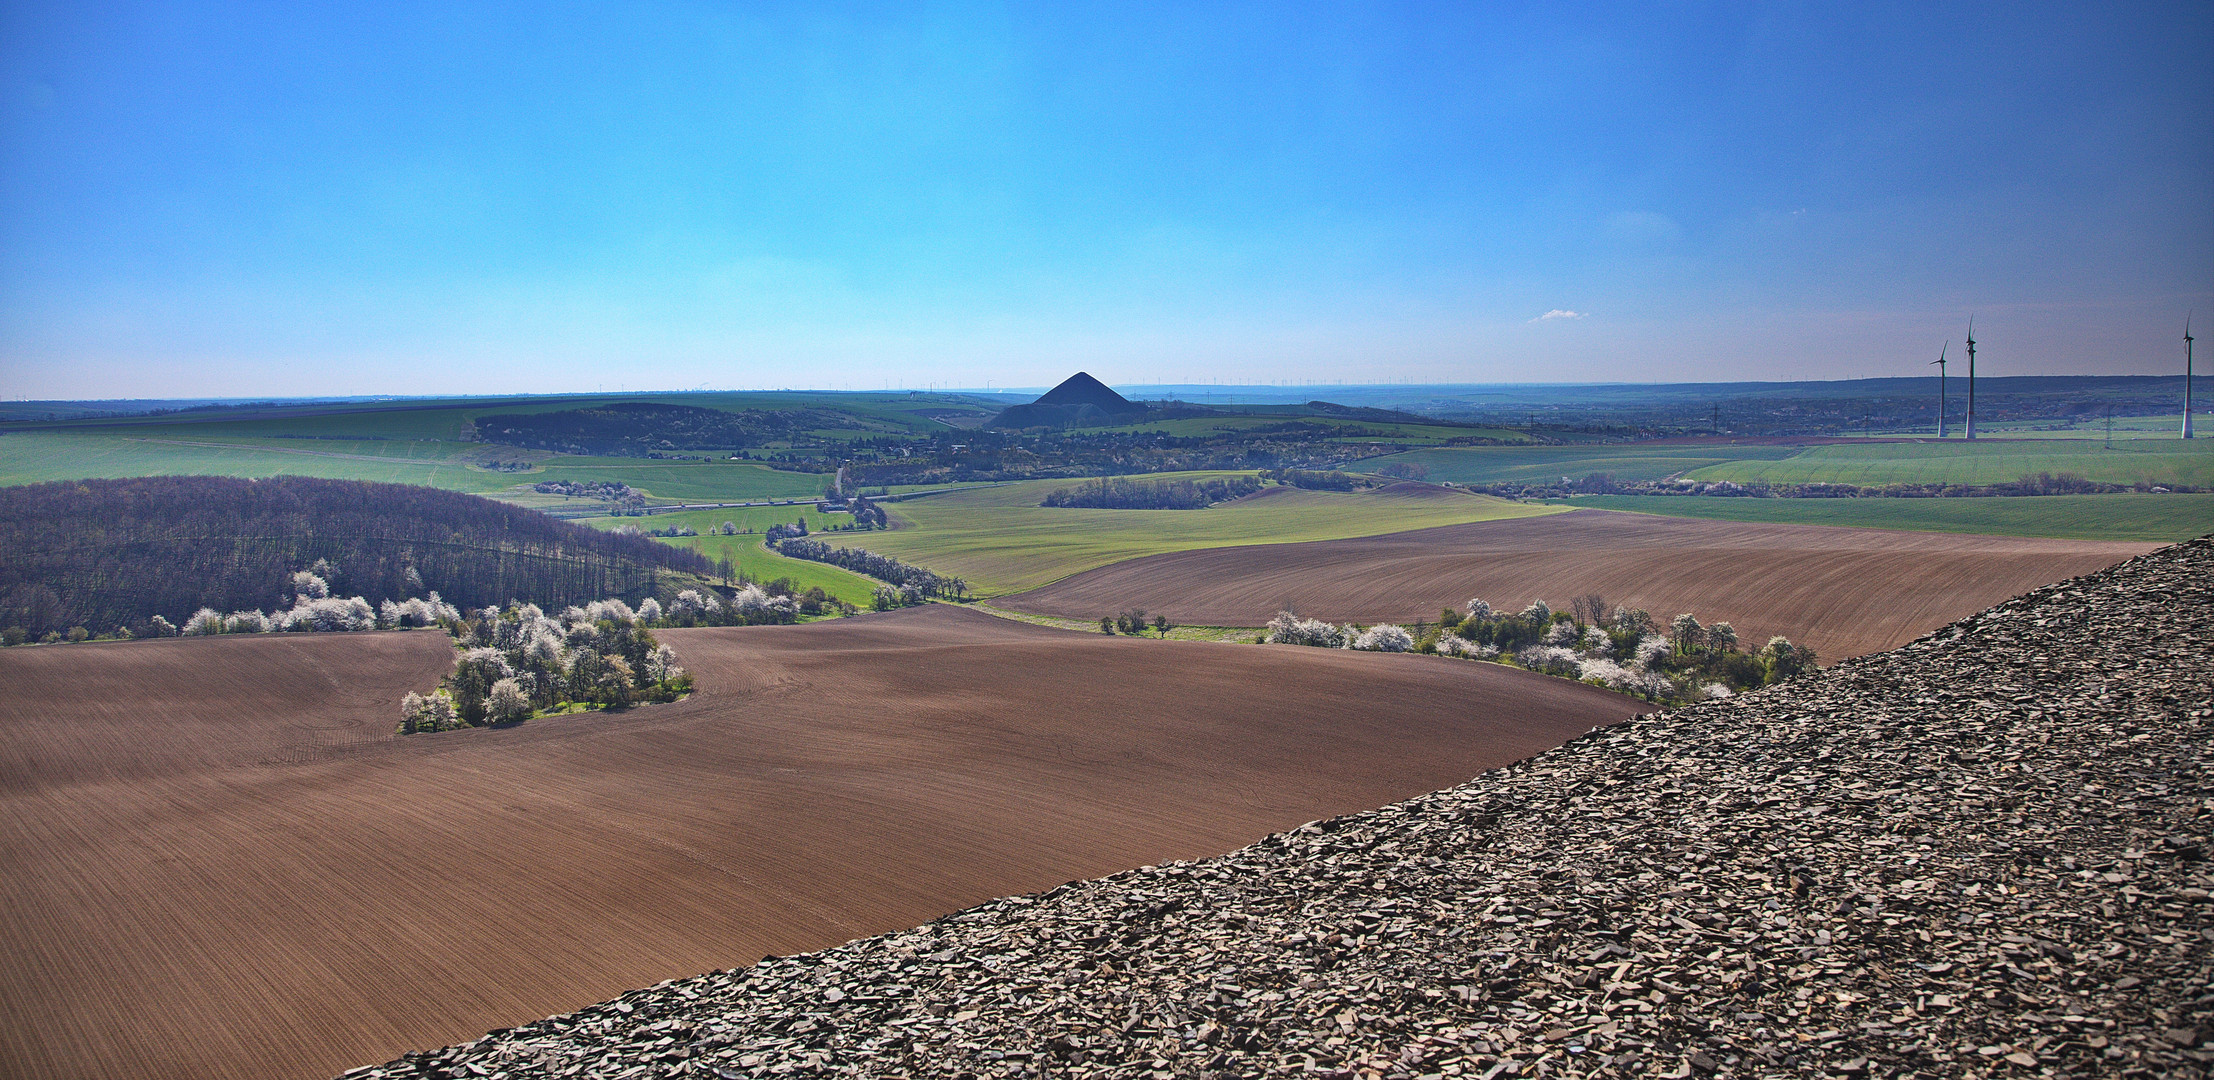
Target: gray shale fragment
(1981, 854)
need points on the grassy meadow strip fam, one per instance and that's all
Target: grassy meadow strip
(744, 549)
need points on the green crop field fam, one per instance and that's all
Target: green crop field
(2084, 427)
(28, 457)
(2075, 517)
(2136, 459)
(2157, 461)
(744, 550)
(761, 564)
(1001, 541)
(1539, 464)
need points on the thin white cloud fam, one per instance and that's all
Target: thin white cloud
(1558, 313)
(1643, 227)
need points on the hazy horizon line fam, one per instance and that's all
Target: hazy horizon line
(280, 399)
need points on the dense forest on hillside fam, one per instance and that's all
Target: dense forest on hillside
(113, 553)
(640, 429)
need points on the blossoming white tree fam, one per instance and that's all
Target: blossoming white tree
(1550, 659)
(507, 700)
(1384, 637)
(661, 665)
(1289, 629)
(428, 712)
(246, 622)
(1686, 631)
(1454, 645)
(614, 611)
(328, 614)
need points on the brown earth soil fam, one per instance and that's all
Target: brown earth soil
(219, 863)
(1845, 592)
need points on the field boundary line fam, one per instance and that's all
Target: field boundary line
(1220, 635)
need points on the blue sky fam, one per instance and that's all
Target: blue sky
(238, 199)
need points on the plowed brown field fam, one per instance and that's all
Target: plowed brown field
(219, 864)
(1843, 591)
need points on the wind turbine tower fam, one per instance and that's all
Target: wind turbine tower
(2187, 376)
(1940, 362)
(1971, 376)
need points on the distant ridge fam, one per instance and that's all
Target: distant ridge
(1080, 401)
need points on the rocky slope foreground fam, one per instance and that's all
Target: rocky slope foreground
(1982, 853)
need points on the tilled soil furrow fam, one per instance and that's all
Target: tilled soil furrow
(221, 862)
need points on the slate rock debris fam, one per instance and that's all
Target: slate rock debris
(1981, 854)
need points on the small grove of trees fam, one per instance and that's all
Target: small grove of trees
(813, 600)
(610, 490)
(1317, 480)
(1611, 645)
(1116, 493)
(1289, 629)
(314, 609)
(888, 597)
(1133, 623)
(153, 627)
(1619, 647)
(867, 515)
(908, 584)
(518, 662)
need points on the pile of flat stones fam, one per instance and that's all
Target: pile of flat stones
(1982, 854)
